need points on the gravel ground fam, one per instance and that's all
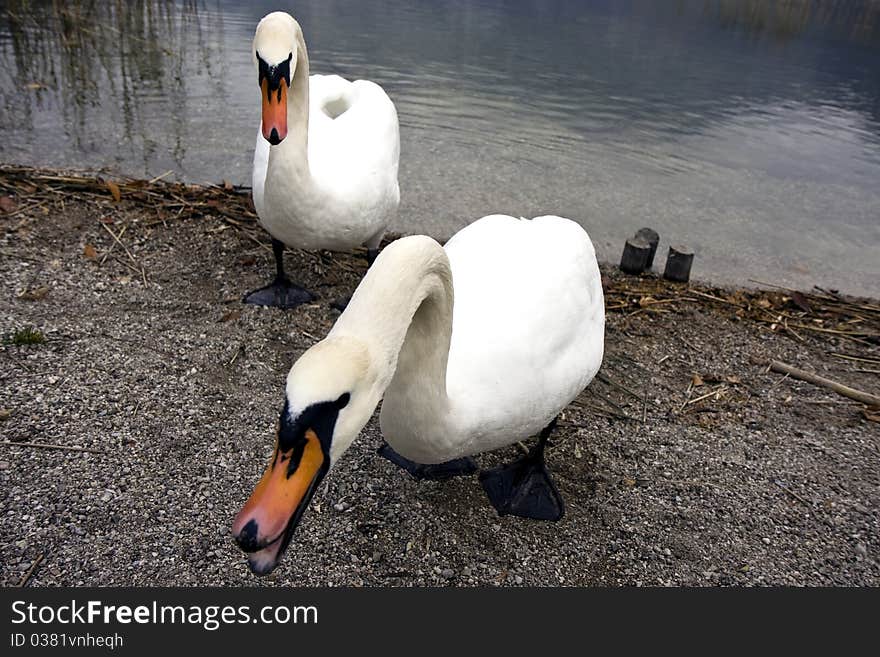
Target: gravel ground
(771, 481)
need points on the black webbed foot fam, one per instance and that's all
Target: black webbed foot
(281, 293)
(524, 488)
(434, 471)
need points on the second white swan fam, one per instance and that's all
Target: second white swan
(326, 159)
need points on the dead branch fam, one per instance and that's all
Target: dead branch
(66, 448)
(24, 580)
(839, 388)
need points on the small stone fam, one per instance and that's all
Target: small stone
(377, 556)
(5, 413)
(518, 579)
(465, 572)
(861, 550)
(765, 540)
(667, 552)
(4, 465)
(339, 507)
(447, 573)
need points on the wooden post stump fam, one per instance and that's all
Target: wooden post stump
(652, 237)
(678, 264)
(635, 256)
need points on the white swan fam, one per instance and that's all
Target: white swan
(326, 159)
(525, 338)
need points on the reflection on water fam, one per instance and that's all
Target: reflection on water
(89, 77)
(747, 128)
(784, 20)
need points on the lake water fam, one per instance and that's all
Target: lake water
(747, 130)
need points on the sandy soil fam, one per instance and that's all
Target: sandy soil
(178, 385)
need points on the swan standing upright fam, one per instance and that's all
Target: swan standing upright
(326, 159)
(525, 336)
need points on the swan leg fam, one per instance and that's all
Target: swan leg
(281, 292)
(341, 303)
(434, 471)
(524, 488)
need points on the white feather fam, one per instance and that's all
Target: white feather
(475, 346)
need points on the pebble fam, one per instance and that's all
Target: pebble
(765, 540)
(99, 543)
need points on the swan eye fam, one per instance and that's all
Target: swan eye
(274, 74)
(320, 418)
(289, 433)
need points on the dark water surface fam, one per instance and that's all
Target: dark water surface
(749, 130)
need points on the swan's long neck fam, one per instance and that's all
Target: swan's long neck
(402, 312)
(294, 150)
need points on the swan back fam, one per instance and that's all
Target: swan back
(527, 338)
(528, 328)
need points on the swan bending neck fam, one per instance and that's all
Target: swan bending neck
(402, 311)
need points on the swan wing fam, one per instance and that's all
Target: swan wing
(354, 140)
(528, 325)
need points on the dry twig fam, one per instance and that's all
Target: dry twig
(839, 388)
(24, 580)
(65, 448)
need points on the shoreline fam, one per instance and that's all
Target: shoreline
(139, 410)
(232, 204)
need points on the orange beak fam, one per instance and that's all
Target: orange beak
(274, 111)
(265, 524)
